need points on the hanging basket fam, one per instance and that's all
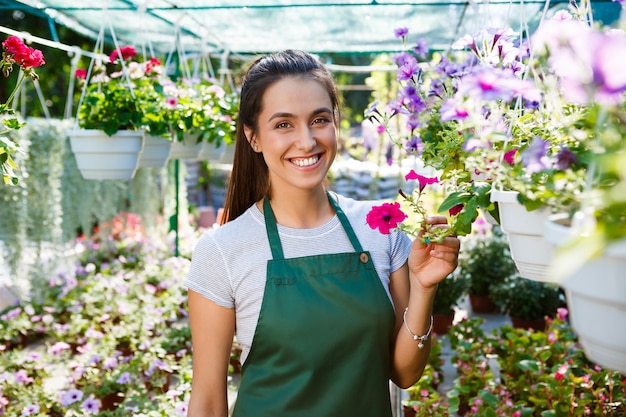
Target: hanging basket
(596, 299)
(156, 151)
(188, 148)
(103, 157)
(530, 251)
(211, 152)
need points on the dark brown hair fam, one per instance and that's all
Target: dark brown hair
(249, 179)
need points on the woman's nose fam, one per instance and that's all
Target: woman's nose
(306, 140)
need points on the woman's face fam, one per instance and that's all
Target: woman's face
(296, 133)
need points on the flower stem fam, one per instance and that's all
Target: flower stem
(17, 87)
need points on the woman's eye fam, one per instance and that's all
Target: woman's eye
(320, 120)
(282, 125)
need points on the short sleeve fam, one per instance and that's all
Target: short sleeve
(400, 249)
(208, 275)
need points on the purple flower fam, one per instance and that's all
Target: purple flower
(565, 159)
(474, 143)
(411, 100)
(591, 64)
(421, 47)
(453, 109)
(110, 363)
(407, 70)
(534, 157)
(58, 347)
(400, 32)
(30, 410)
(124, 378)
(91, 405)
(13, 313)
(414, 146)
(22, 377)
(487, 84)
(71, 396)
(466, 41)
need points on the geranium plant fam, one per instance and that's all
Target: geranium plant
(14, 52)
(125, 94)
(201, 107)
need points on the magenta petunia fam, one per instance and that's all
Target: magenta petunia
(423, 181)
(385, 217)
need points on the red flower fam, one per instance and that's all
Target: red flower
(23, 55)
(13, 45)
(152, 63)
(455, 210)
(423, 181)
(127, 53)
(509, 156)
(80, 73)
(29, 58)
(385, 217)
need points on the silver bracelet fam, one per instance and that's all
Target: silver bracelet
(421, 339)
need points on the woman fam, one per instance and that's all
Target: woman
(316, 297)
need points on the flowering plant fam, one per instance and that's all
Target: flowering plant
(547, 124)
(202, 107)
(14, 52)
(128, 98)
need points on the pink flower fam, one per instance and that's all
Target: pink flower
(423, 181)
(561, 313)
(127, 53)
(13, 45)
(80, 73)
(385, 217)
(380, 129)
(509, 156)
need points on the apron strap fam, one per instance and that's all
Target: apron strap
(272, 229)
(346, 224)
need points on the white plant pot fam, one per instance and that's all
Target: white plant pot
(103, 157)
(188, 148)
(210, 152)
(156, 151)
(596, 297)
(530, 251)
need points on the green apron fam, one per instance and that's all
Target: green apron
(322, 343)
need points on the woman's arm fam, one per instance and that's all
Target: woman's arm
(413, 286)
(212, 332)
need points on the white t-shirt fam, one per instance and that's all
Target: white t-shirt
(229, 262)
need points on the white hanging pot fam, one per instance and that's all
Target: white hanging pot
(188, 148)
(530, 251)
(228, 155)
(156, 151)
(211, 152)
(103, 157)
(596, 297)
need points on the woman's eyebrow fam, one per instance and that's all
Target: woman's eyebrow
(287, 115)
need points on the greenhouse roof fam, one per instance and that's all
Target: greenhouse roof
(319, 26)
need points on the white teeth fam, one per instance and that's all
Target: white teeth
(306, 161)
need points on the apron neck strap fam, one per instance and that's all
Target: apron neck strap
(272, 229)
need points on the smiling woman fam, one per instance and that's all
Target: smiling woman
(315, 292)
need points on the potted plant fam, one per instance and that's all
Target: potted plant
(485, 261)
(449, 293)
(203, 117)
(119, 104)
(527, 302)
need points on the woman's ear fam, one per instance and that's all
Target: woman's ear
(250, 137)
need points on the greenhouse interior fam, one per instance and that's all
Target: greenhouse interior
(119, 152)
